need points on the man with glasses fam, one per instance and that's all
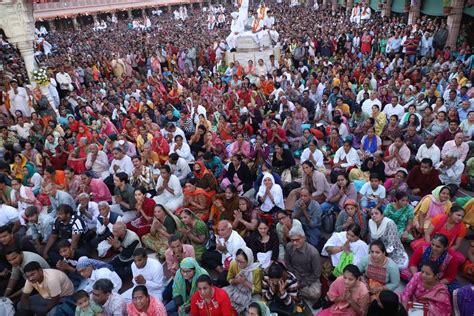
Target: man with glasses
(303, 260)
(283, 227)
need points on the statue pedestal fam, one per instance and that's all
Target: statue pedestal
(247, 49)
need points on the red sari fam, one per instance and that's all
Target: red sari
(140, 225)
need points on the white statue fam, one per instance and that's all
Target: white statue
(236, 28)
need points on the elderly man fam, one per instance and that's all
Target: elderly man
(87, 210)
(308, 212)
(228, 242)
(105, 222)
(123, 242)
(146, 271)
(52, 287)
(97, 162)
(303, 260)
(450, 169)
(112, 303)
(456, 145)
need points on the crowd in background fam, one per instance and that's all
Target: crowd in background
(150, 177)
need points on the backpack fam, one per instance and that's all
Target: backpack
(328, 221)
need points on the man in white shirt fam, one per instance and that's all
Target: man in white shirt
(9, 215)
(429, 150)
(21, 128)
(394, 108)
(179, 167)
(367, 105)
(87, 210)
(169, 190)
(121, 162)
(227, 243)
(450, 169)
(360, 95)
(180, 147)
(146, 271)
(19, 100)
(64, 81)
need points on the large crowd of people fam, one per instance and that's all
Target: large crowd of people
(150, 177)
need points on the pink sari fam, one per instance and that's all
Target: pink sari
(437, 299)
(360, 294)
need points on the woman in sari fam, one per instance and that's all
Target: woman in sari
(259, 153)
(396, 184)
(195, 231)
(163, 226)
(184, 286)
(462, 300)
(425, 288)
(245, 217)
(144, 208)
(224, 205)
(348, 294)
(144, 304)
(339, 193)
(351, 214)
(196, 199)
(451, 225)
(401, 212)
(77, 157)
(439, 253)
(380, 119)
(346, 243)
(245, 279)
(240, 146)
(384, 229)
(32, 178)
(398, 156)
(304, 141)
(60, 155)
(22, 197)
(380, 272)
(391, 131)
(19, 161)
(369, 144)
(270, 195)
(83, 131)
(438, 202)
(204, 178)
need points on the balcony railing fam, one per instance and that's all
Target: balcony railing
(66, 8)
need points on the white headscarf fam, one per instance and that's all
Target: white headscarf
(275, 190)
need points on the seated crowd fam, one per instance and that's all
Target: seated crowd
(178, 185)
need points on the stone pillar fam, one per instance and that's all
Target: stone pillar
(387, 9)
(334, 6)
(76, 24)
(414, 12)
(454, 22)
(28, 54)
(51, 25)
(349, 6)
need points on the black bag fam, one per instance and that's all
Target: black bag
(328, 221)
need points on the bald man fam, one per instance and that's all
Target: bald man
(457, 145)
(228, 241)
(123, 243)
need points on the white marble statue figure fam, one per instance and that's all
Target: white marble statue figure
(243, 6)
(236, 29)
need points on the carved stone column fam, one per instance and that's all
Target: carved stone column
(16, 20)
(454, 22)
(387, 8)
(414, 12)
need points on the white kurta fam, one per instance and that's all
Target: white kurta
(237, 26)
(152, 272)
(170, 200)
(104, 273)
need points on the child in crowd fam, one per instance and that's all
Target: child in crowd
(86, 307)
(372, 194)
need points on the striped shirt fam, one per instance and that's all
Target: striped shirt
(291, 290)
(75, 225)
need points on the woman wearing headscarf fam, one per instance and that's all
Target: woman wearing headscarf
(270, 194)
(438, 202)
(144, 304)
(387, 304)
(32, 178)
(245, 279)
(258, 308)
(204, 178)
(92, 270)
(184, 286)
